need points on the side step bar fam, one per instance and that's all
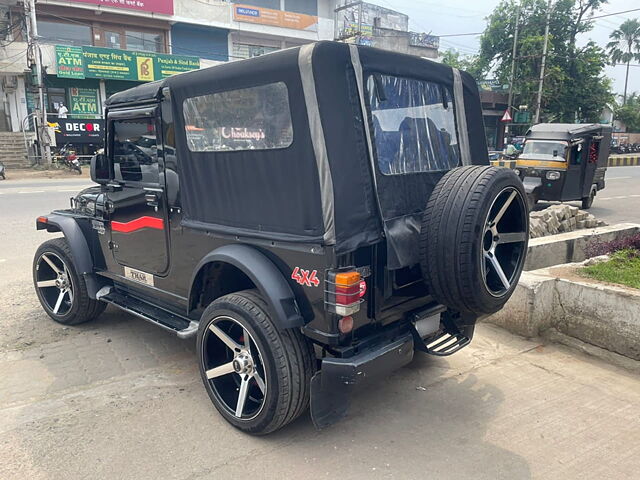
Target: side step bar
(181, 326)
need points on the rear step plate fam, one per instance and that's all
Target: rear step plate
(181, 326)
(446, 344)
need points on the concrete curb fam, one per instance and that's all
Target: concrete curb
(613, 162)
(603, 315)
(625, 161)
(570, 247)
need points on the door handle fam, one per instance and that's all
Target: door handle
(152, 196)
(152, 199)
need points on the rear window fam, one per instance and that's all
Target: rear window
(256, 118)
(414, 125)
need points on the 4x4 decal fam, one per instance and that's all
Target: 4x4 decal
(305, 277)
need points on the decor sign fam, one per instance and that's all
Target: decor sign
(275, 18)
(107, 63)
(78, 131)
(155, 6)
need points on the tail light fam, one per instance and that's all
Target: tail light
(343, 292)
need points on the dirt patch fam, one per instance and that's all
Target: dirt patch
(36, 173)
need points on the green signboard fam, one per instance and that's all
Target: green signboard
(84, 102)
(115, 64)
(522, 117)
(70, 62)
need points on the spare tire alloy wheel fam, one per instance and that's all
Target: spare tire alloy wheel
(474, 237)
(234, 367)
(502, 247)
(54, 284)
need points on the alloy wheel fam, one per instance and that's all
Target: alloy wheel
(54, 283)
(234, 368)
(504, 241)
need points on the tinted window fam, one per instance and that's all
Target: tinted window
(144, 41)
(64, 33)
(135, 152)
(414, 125)
(256, 118)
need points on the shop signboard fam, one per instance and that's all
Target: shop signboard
(70, 62)
(275, 18)
(84, 101)
(113, 64)
(155, 6)
(78, 131)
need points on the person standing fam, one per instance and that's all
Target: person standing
(62, 111)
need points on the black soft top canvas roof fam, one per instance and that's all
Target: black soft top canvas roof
(326, 187)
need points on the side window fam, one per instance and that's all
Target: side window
(256, 118)
(414, 125)
(135, 150)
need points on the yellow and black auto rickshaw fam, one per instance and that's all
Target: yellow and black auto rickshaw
(564, 162)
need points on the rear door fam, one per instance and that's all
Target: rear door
(575, 173)
(137, 203)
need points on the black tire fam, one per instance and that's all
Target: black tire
(79, 308)
(287, 362)
(460, 245)
(587, 202)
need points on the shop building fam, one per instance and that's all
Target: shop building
(93, 48)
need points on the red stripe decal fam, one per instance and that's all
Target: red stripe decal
(138, 224)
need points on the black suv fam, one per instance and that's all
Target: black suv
(313, 216)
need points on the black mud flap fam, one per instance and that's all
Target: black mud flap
(329, 403)
(331, 388)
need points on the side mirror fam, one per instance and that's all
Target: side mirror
(99, 168)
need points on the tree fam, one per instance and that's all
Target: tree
(467, 63)
(624, 47)
(629, 113)
(575, 88)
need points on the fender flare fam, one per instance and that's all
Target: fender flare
(264, 275)
(77, 242)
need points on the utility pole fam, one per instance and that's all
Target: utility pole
(513, 62)
(34, 48)
(544, 61)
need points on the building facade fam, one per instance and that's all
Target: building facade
(91, 49)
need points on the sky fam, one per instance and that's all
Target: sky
(442, 17)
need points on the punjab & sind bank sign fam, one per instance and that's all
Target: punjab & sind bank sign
(107, 63)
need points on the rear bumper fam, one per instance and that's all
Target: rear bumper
(331, 388)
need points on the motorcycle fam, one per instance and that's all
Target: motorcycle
(70, 159)
(2, 174)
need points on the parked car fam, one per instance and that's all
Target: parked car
(334, 213)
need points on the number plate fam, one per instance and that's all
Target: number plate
(138, 276)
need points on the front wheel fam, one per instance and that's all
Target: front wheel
(61, 290)
(257, 376)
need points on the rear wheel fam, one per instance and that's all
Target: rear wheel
(257, 376)
(61, 290)
(474, 238)
(587, 202)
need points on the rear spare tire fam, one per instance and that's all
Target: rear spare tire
(474, 238)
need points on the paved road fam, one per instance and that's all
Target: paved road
(121, 399)
(619, 202)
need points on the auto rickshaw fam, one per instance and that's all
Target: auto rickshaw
(564, 162)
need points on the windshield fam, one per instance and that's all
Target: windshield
(544, 150)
